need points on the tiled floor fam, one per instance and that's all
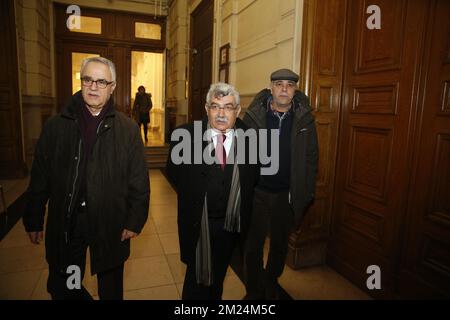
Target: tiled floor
(154, 270)
(154, 138)
(12, 190)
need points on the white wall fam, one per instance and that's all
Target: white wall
(264, 35)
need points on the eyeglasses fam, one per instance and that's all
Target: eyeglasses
(101, 83)
(216, 107)
(281, 85)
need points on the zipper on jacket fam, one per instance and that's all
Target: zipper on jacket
(99, 125)
(72, 195)
(98, 131)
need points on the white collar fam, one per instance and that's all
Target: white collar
(228, 134)
(228, 141)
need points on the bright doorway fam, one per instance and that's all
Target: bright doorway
(147, 69)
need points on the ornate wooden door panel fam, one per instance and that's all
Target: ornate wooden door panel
(201, 58)
(426, 265)
(323, 60)
(375, 139)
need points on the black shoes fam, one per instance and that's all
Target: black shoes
(253, 297)
(272, 289)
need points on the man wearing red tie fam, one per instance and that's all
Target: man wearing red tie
(214, 197)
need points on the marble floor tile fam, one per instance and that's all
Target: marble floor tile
(147, 272)
(170, 243)
(169, 292)
(18, 285)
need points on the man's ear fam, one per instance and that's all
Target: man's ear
(113, 87)
(238, 110)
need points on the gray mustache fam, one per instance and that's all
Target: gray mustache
(221, 119)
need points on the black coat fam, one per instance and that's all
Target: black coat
(190, 182)
(117, 186)
(304, 151)
(142, 106)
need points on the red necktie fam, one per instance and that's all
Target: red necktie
(220, 150)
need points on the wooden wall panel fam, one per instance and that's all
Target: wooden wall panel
(321, 79)
(425, 268)
(372, 167)
(200, 72)
(446, 97)
(368, 168)
(12, 162)
(380, 49)
(375, 99)
(387, 101)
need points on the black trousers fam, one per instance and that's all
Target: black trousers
(273, 216)
(110, 282)
(145, 124)
(222, 245)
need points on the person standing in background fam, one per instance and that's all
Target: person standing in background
(141, 109)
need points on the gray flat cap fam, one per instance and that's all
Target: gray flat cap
(284, 74)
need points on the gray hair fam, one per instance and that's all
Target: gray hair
(105, 61)
(220, 89)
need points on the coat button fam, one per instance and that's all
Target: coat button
(76, 158)
(70, 195)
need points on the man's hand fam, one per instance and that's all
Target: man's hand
(127, 234)
(36, 236)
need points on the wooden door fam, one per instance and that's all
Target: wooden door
(374, 149)
(200, 72)
(12, 162)
(117, 38)
(425, 269)
(321, 80)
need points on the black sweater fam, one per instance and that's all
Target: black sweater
(283, 123)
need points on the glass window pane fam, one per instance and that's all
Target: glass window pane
(147, 30)
(89, 25)
(77, 59)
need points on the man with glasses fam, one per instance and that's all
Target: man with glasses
(89, 166)
(214, 200)
(280, 199)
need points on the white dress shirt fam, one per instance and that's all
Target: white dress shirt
(228, 140)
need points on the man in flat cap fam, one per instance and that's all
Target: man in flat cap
(280, 200)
